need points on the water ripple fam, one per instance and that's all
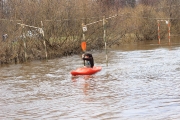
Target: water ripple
(137, 85)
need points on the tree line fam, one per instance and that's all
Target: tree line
(62, 20)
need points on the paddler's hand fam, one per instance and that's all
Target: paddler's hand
(82, 55)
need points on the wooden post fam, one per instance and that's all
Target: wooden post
(104, 37)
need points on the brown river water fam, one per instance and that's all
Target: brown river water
(141, 82)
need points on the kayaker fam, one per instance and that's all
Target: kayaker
(89, 61)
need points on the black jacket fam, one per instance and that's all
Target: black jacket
(90, 59)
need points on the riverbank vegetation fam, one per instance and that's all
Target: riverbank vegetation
(40, 29)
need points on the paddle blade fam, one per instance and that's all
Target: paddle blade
(83, 46)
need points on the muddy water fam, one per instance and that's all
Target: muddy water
(141, 82)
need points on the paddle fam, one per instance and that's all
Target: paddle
(83, 46)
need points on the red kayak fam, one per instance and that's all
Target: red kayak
(86, 71)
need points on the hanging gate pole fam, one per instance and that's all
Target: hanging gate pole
(24, 43)
(104, 37)
(84, 28)
(169, 28)
(104, 34)
(41, 31)
(169, 31)
(159, 31)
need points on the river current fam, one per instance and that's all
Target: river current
(141, 82)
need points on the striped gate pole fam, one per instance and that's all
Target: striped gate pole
(159, 31)
(41, 31)
(104, 37)
(169, 31)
